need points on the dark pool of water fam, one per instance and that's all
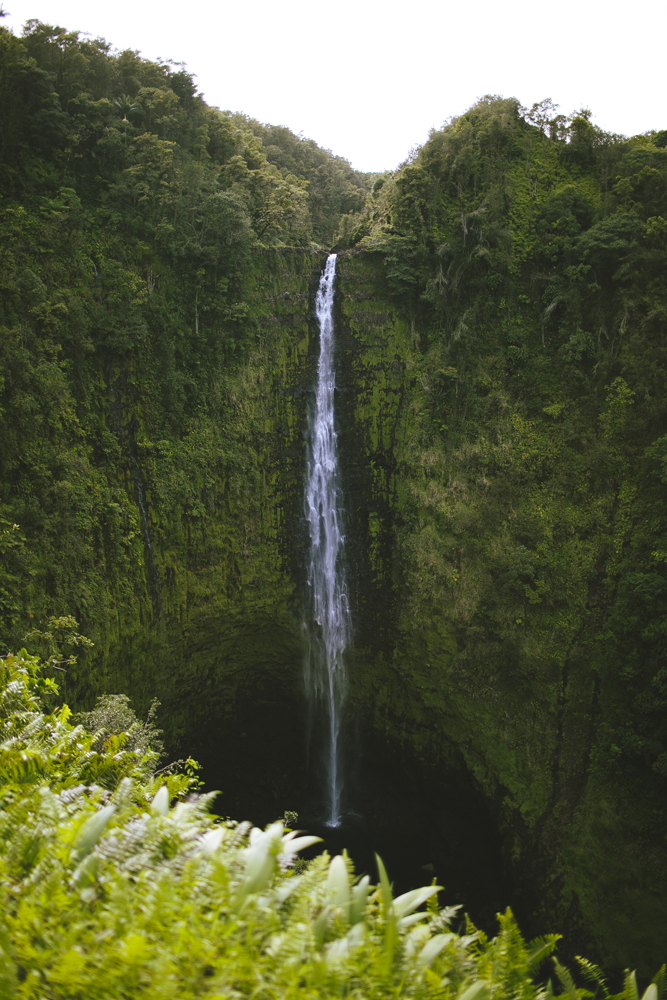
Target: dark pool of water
(424, 823)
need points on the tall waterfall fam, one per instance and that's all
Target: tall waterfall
(325, 667)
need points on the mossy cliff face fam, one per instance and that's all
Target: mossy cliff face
(170, 537)
(220, 628)
(477, 618)
(156, 264)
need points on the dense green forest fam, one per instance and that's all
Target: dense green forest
(146, 244)
(525, 467)
(501, 304)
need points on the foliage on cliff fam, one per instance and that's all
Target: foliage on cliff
(154, 280)
(109, 890)
(526, 254)
(144, 271)
(334, 188)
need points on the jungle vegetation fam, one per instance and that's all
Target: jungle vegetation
(137, 223)
(506, 289)
(527, 253)
(117, 882)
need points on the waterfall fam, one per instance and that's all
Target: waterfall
(325, 667)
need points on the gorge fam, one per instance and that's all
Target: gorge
(501, 442)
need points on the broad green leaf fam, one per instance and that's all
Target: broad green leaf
(391, 930)
(433, 947)
(360, 893)
(390, 940)
(476, 991)
(357, 934)
(86, 872)
(91, 832)
(212, 839)
(337, 951)
(286, 888)
(338, 882)
(411, 920)
(630, 991)
(385, 887)
(160, 801)
(409, 901)
(260, 866)
(300, 844)
(320, 926)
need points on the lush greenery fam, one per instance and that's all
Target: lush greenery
(109, 890)
(146, 284)
(509, 314)
(502, 310)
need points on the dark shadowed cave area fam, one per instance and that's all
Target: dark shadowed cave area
(425, 823)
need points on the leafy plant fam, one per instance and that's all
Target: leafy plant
(115, 884)
(113, 714)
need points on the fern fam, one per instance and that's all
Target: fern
(114, 885)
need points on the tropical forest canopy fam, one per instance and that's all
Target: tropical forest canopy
(502, 304)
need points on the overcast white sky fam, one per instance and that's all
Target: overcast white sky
(367, 80)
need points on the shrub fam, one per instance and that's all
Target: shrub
(117, 884)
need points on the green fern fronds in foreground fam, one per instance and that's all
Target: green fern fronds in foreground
(108, 891)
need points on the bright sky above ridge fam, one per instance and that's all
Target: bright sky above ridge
(368, 80)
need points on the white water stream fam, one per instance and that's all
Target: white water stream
(325, 667)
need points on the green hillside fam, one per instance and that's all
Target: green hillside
(501, 307)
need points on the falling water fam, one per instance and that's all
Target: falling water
(325, 668)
